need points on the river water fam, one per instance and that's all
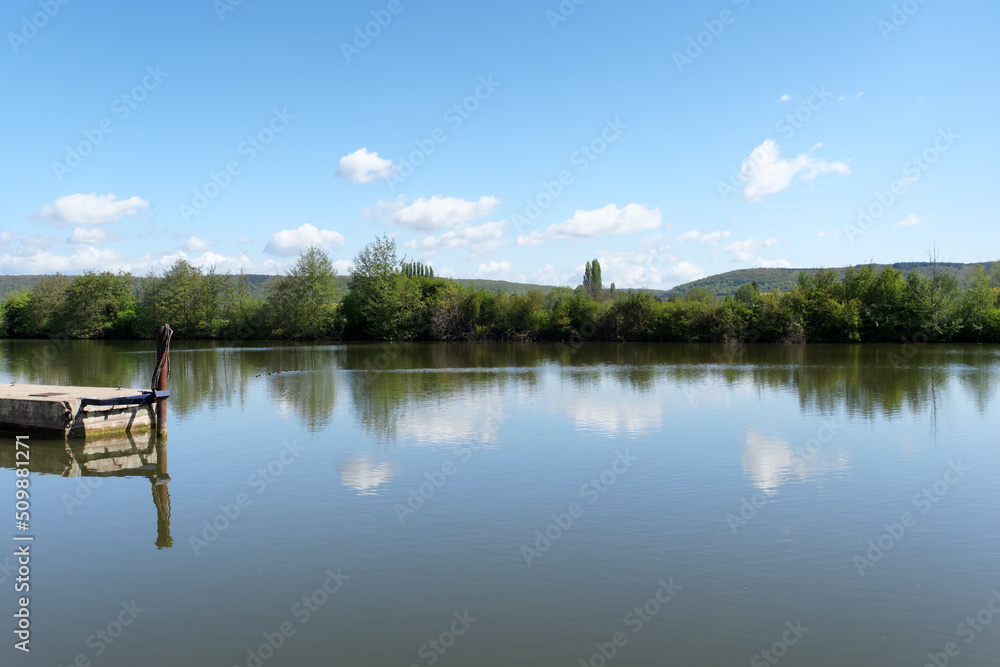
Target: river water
(524, 505)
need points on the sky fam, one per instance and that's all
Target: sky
(511, 141)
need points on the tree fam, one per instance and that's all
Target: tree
(195, 304)
(21, 316)
(748, 294)
(381, 303)
(302, 301)
(934, 298)
(700, 295)
(416, 270)
(976, 306)
(98, 304)
(49, 306)
(592, 279)
(818, 301)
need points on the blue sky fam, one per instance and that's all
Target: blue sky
(509, 140)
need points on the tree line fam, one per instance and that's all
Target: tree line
(393, 299)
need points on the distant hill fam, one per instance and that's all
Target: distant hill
(783, 280)
(10, 284)
(503, 286)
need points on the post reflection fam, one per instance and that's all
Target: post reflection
(161, 495)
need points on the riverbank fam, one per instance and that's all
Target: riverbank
(391, 300)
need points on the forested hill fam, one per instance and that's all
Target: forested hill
(723, 284)
(783, 280)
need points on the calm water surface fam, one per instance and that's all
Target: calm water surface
(482, 505)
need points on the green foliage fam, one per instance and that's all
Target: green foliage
(592, 284)
(389, 300)
(630, 318)
(700, 295)
(302, 302)
(934, 304)
(49, 300)
(22, 318)
(96, 305)
(748, 294)
(195, 304)
(826, 317)
(977, 310)
(785, 280)
(417, 270)
(382, 303)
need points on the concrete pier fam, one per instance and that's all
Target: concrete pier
(55, 411)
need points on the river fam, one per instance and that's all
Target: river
(461, 504)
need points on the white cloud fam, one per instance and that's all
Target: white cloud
(853, 97)
(785, 98)
(820, 234)
(7, 235)
(88, 236)
(365, 475)
(222, 263)
(747, 251)
(532, 239)
(432, 244)
(773, 263)
(769, 461)
(86, 257)
(652, 267)
(493, 267)
(912, 220)
(29, 259)
(195, 244)
(290, 242)
(454, 421)
(608, 220)
(594, 411)
(765, 173)
(549, 275)
(486, 247)
(364, 167)
(744, 251)
(425, 215)
(698, 237)
(33, 244)
(685, 271)
(817, 146)
(92, 209)
(483, 239)
(244, 240)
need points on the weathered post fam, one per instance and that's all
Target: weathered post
(160, 376)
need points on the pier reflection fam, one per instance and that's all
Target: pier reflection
(124, 455)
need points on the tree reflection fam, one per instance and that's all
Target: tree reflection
(386, 382)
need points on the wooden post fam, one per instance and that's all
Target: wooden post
(162, 349)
